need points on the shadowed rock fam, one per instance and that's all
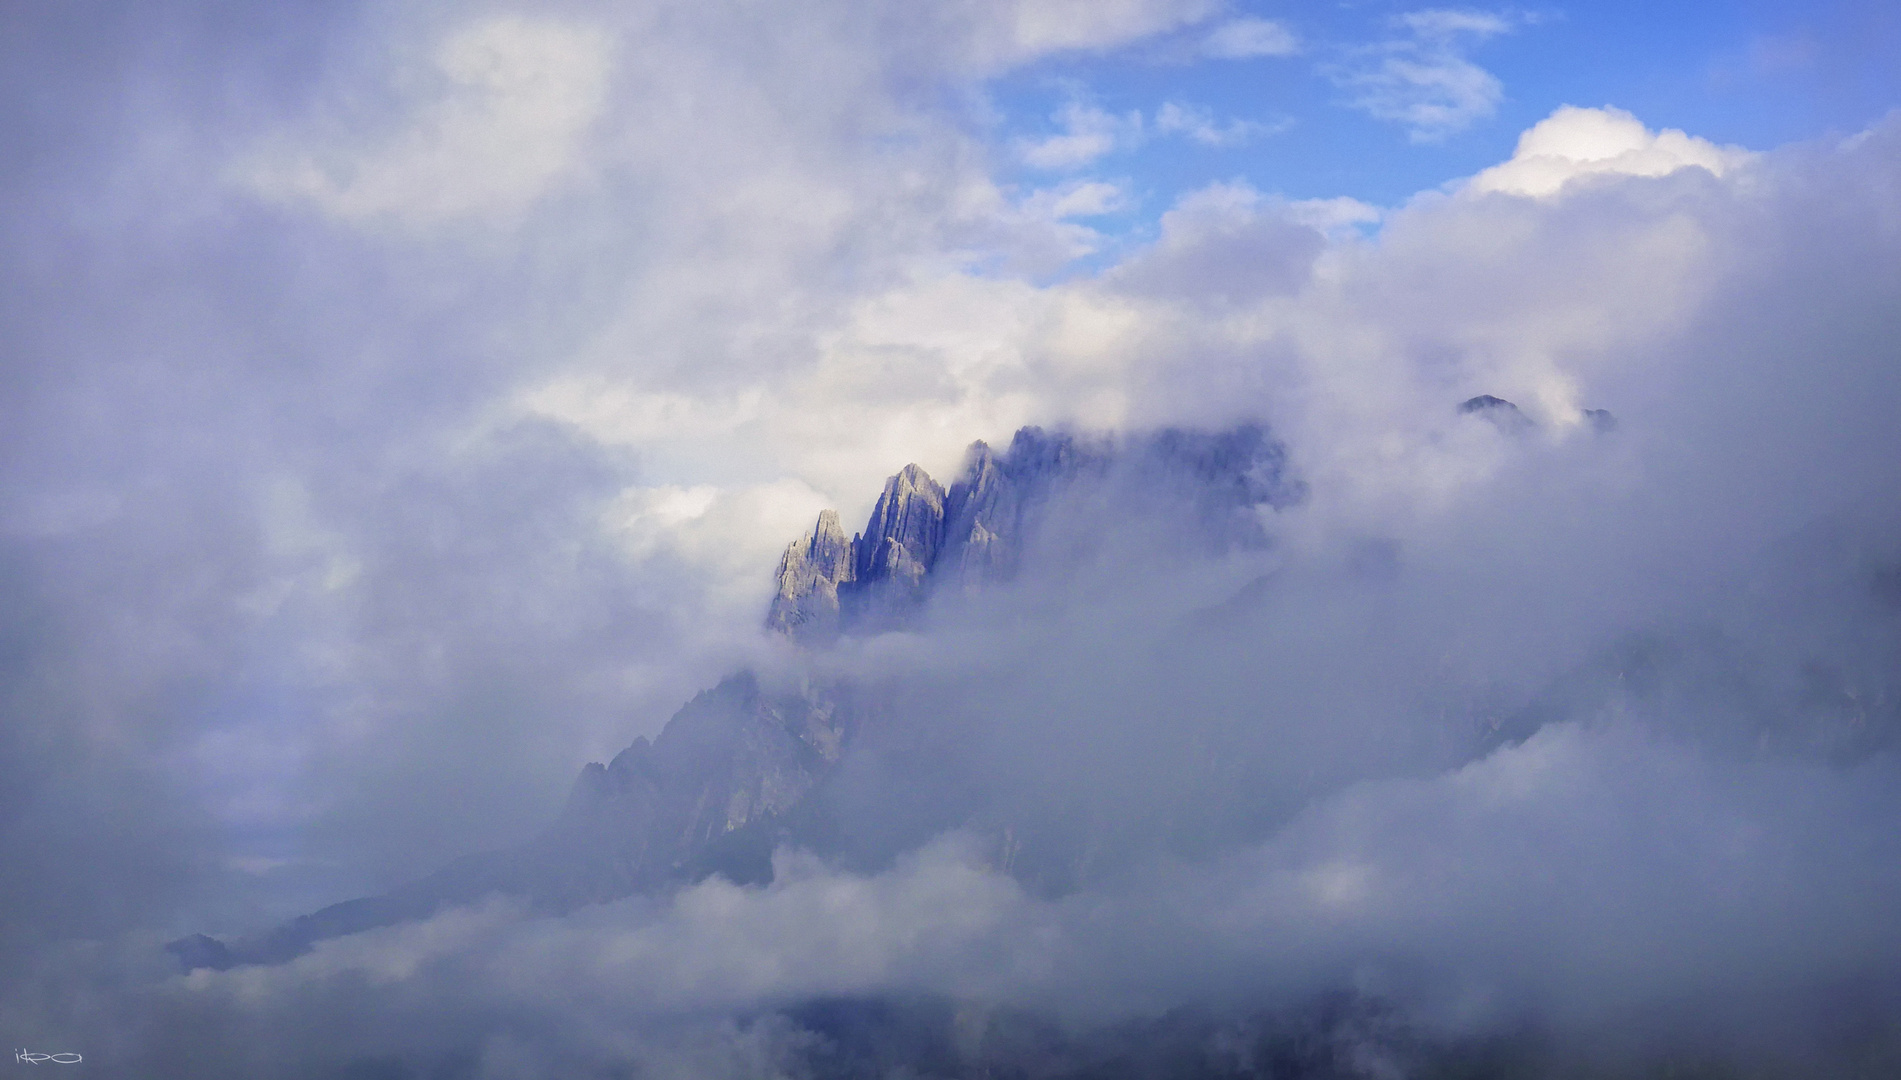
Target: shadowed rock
(698, 799)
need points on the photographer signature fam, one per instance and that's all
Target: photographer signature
(35, 1059)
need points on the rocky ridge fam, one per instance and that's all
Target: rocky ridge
(922, 540)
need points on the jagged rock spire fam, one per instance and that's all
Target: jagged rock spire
(826, 581)
(900, 541)
(810, 572)
(922, 539)
(982, 509)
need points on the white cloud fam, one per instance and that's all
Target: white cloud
(1043, 26)
(1574, 142)
(1330, 215)
(1450, 22)
(519, 95)
(1079, 198)
(1088, 133)
(985, 37)
(1426, 82)
(1246, 38)
(715, 535)
(1432, 94)
(1199, 125)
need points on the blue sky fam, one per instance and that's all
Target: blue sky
(1755, 74)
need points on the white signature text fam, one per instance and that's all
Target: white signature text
(30, 1058)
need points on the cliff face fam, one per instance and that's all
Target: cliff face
(735, 771)
(734, 757)
(899, 546)
(810, 574)
(992, 503)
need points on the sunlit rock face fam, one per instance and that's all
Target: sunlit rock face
(810, 573)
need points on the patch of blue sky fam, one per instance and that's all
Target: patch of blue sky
(1378, 100)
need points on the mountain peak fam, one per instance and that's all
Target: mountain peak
(900, 541)
(1511, 420)
(810, 572)
(922, 538)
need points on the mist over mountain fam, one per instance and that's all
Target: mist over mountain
(745, 768)
(987, 538)
(1286, 840)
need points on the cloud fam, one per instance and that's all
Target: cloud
(1444, 24)
(1426, 82)
(1227, 242)
(1574, 142)
(1088, 133)
(334, 549)
(520, 95)
(1021, 30)
(1086, 198)
(1330, 215)
(1594, 875)
(1247, 38)
(1199, 125)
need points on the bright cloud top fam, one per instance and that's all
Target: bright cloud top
(1574, 142)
